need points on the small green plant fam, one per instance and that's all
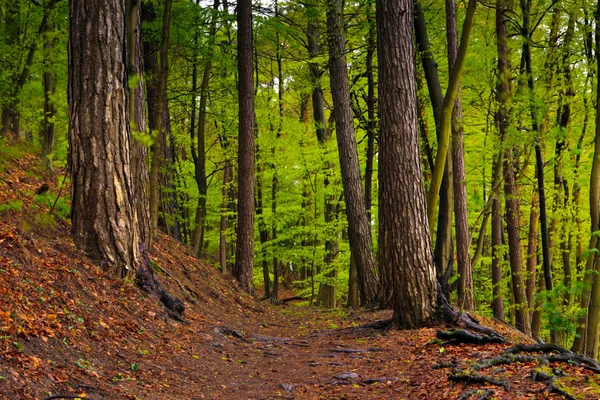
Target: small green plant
(83, 364)
(13, 205)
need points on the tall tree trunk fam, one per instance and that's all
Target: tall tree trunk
(497, 252)
(466, 298)
(523, 322)
(444, 247)
(404, 239)
(199, 152)
(159, 144)
(49, 109)
(546, 260)
(104, 218)
(223, 224)
(244, 255)
(446, 115)
(359, 231)
(591, 293)
(371, 102)
(137, 116)
(327, 291)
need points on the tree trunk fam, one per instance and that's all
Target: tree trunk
(359, 231)
(244, 255)
(404, 239)
(497, 252)
(324, 138)
(137, 116)
(199, 152)
(444, 248)
(546, 260)
(223, 225)
(104, 218)
(523, 322)
(446, 115)
(158, 147)
(466, 299)
(49, 109)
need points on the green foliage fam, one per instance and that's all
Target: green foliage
(13, 205)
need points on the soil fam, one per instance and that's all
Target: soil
(68, 329)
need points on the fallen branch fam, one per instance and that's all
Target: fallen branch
(466, 395)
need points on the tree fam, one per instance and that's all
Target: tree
(244, 255)
(104, 218)
(359, 231)
(404, 239)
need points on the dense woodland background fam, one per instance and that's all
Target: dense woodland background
(510, 169)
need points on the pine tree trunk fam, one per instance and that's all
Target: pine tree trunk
(405, 241)
(49, 109)
(359, 231)
(137, 116)
(244, 256)
(466, 298)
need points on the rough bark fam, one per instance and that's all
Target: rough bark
(49, 109)
(158, 147)
(359, 231)
(446, 115)
(466, 298)
(405, 242)
(103, 214)
(497, 253)
(244, 255)
(137, 116)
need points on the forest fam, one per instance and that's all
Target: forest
(422, 163)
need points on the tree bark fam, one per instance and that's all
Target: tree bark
(49, 108)
(359, 231)
(103, 214)
(137, 116)
(466, 298)
(404, 239)
(158, 147)
(244, 255)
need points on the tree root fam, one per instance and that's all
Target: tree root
(466, 395)
(456, 336)
(478, 378)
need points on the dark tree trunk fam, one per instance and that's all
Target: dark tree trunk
(327, 292)
(244, 256)
(444, 248)
(359, 231)
(103, 214)
(137, 116)
(49, 109)
(371, 103)
(497, 254)
(405, 242)
(523, 322)
(466, 297)
(546, 260)
(199, 151)
(158, 147)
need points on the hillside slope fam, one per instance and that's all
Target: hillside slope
(67, 329)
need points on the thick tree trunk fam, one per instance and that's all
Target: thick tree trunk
(103, 214)
(137, 116)
(497, 254)
(466, 298)
(405, 242)
(244, 255)
(359, 231)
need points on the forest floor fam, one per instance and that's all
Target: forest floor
(67, 329)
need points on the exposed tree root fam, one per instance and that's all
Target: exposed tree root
(549, 353)
(455, 336)
(467, 395)
(478, 378)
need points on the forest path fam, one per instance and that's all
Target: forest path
(311, 354)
